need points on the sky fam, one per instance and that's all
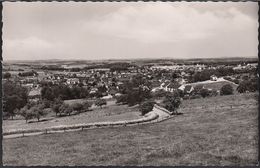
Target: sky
(129, 30)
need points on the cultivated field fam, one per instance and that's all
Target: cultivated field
(209, 132)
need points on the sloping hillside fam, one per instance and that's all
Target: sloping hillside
(219, 130)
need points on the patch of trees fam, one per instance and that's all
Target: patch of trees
(100, 102)
(75, 69)
(33, 110)
(117, 66)
(135, 91)
(6, 75)
(236, 81)
(226, 90)
(146, 107)
(53, 68)
(250, 85)
(60, 108)
(205, 74)
(246, 70)
(64, 92)
(199, 91)
(29, 73)
(14, 98)
(172, 102)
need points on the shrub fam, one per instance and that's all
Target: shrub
(100, 102)
(121, 99)
(213, 93)
(204, 92)
(172, 101)
(146, 107)
(197, 89)
(248, 85)
(6, 75)
(65, 109)
(226, 90)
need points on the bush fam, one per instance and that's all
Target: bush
(204, 92)
(6, 75)
(65, 109)
(172, 101)
(146, 107)
(213, 93)
(197, 89)
(226, 90)
(100, 102)
(121, 99)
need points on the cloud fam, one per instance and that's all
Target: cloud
(31, 47)
(162, 22)
(129, 30)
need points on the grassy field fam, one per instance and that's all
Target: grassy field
(107, 113)
(208, 134)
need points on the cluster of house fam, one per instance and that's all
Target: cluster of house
(94, 78)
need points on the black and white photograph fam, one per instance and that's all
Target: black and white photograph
(130, 83)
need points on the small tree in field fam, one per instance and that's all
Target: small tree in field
(226, 90)
(56, 106)
(26, 113)
(100, 102)
(146, 107)
(37, 111)
(65, 109)
(172, 101)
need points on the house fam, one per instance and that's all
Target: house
(186, 88)
(213, 78)
(72, 81)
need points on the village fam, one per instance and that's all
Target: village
(167, 78)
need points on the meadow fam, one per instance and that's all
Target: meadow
(220, 130)
(112, 112)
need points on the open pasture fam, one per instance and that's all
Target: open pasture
(107, 113)
(202, 135)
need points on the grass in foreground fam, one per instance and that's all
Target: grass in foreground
(203, 135)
